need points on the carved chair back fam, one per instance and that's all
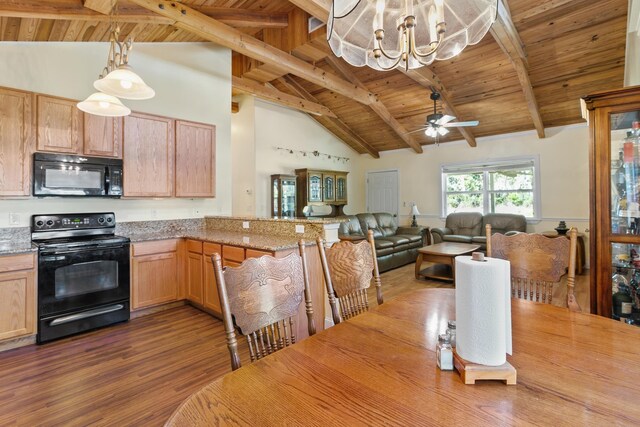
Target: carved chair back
(348, 269)
(260, 300)
(537, 263)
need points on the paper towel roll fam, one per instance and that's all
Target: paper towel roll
(483, 310)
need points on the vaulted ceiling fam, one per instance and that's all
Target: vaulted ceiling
(528, 73)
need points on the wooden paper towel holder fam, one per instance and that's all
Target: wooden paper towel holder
(471, 372)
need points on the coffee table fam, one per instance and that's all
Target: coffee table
(442, 254)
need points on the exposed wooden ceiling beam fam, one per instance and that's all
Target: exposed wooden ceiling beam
(210, 29)
(504, 32)
(334, 125)
(127, 13)
(270, 94)
(378, 107)
(317, 8)
(235, 107)
(100, 6)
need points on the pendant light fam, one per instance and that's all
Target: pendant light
(124, 83)
(101, 104)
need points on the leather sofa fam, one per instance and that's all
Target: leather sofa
(469, 227)
(395, 246)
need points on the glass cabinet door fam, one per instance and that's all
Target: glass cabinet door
(625, 172)
(275, 191)
(315, 187)
(625, 282)
(289, 197)
(341, 188)
(329, 188)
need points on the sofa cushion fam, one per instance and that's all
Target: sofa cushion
(481, 240)
(386, 223)
(456, 238)
(411, 237)
(501, 223)
(465, 223)
(383, 244)
(369, 222)
(397, 240)
(350, 227)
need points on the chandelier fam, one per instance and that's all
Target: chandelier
(117, 79)
(385, 34)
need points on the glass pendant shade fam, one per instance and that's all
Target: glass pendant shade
(101, 104)
(447, 26)
(124, 83)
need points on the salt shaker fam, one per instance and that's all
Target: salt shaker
(451, 331)
(444, 353)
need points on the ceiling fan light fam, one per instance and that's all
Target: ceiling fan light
(430, 132)
(442, 130)
(101, 104)
(124, 83)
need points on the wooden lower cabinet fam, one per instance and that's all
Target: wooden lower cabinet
(194, 272)
(154, 273)
(17, 296)
(211, 296)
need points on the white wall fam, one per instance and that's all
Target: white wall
(564, 172)
(276, 126)
(192, 82)
(243, 157)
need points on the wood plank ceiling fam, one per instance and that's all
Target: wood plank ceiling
(539, 59)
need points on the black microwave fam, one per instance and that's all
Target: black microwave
(67, 175)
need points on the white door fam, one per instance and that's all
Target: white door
(382, 192)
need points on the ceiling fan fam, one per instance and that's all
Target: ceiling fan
(437, 123)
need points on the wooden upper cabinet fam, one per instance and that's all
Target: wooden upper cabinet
(148, 155)
(17, 122)
(195, 159)
(59, 125)
(102, 136)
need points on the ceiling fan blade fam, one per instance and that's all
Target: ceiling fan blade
(461, 124)
(445, 119)
(442, 130)
(422, 129)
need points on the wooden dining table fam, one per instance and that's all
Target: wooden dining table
(379, 368)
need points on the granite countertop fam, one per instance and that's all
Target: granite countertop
(247, 240)
(12, 247)
(310, 220)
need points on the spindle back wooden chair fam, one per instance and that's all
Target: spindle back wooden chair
(537, 263)
(348, 269)
(260, 299)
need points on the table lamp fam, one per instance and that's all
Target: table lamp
(414, 212)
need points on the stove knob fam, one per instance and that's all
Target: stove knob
(49, 223)
(109, 219)
(39, 223)
(101, 220)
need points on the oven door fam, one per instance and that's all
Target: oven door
(73, 279)
(52, 178)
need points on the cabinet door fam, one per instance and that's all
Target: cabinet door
(148, 156)
(341, 188)
(195, 159)
(328, 187)
(102, 136)
(315, 187)
(194, 277)
(59, 124)
(154, 279)
(17, 121)
(17, 304)
(211, 297)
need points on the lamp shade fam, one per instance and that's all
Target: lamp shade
(352, 23)
(414, 210)
(101, 104)
(124, 83)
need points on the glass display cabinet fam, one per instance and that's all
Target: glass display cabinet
(283, 195)
(614, 124)
(322, 188)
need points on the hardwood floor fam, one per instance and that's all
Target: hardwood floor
(135, 373)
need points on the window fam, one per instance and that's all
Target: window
(507, 186)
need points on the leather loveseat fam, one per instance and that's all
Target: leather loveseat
(395, 246)
(469, 227)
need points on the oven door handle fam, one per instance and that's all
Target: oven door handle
(86, 314)
(80, 249)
